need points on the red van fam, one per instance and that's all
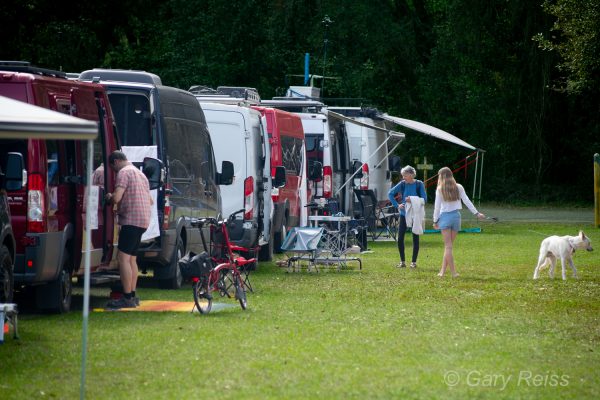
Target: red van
(47, 212)
(286, 138)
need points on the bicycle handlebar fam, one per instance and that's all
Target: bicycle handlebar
(200, 222)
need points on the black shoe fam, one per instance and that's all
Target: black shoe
(120, 303)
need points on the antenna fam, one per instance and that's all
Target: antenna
(326, 21)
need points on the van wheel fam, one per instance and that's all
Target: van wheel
(176, 279)
(6, 276)
(56, 296)
(280, 237)
(266, 251)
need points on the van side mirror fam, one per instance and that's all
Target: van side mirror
(394, 164)
(226, 175)
(152, 169)
(16, 174)
(280, 178)
(357, 166)
(315, 171)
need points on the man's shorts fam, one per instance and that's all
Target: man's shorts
(129, 239)
(450, 220)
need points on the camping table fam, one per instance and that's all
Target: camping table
(335, 239)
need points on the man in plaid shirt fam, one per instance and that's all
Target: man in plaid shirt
(133, 200)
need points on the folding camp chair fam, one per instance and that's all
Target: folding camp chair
(303, 242)
(378, 220)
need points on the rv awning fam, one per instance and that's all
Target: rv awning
(22, 120)
(364, 124)
(427, 129)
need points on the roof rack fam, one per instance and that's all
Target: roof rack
(226, 94)
(120, 75)
(25, 66)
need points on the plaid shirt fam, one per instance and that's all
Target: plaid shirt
(134, 207)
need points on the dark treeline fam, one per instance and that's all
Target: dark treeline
(516, 78)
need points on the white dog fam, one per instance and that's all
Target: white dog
(562, 247)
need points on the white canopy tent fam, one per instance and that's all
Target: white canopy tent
(19, 120)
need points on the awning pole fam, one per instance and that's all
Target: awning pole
(87, 255)
(481, 175)
(475, 175)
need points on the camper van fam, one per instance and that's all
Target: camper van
(286, 138)
(369, 147)
(326, 149)
(167, 124)
(239, 133)
(47, 209)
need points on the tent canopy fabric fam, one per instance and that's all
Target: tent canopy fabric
(23, 120)
(428, 130)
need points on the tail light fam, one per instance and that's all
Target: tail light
(327, 181)
(248, 198)
(364, 181)
(167, 208)
(36, 204)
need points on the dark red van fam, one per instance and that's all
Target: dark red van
(286, 137)
(47, 212)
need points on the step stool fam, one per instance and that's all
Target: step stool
(8, 314)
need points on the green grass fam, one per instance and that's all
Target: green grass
(377, 333)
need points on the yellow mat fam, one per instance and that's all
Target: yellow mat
(166, 305)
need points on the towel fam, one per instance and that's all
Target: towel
(415, 214)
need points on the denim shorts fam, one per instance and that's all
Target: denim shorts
(450, 220)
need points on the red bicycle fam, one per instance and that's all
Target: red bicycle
(225, 277)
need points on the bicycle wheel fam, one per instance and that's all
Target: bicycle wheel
(240, 290)
(202, 296)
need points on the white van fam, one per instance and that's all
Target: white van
(368, 146)
(238, 133)
(326, 146)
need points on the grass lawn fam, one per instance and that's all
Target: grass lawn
(377, 333)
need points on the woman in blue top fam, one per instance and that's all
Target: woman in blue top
(408, 186)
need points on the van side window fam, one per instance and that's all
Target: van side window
(133, 118)
(53, 167)
(291, 153)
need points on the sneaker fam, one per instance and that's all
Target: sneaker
(136, 300)
(120, 303)
(401, 265)
(413, 265)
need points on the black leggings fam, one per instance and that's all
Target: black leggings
(401, 232)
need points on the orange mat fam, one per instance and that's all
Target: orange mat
(167, 305)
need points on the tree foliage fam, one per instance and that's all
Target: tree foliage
(480, 70)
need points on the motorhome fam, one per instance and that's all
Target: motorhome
(47, 210)
(369, 146)
(168, 124)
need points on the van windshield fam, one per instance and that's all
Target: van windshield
(133, 118)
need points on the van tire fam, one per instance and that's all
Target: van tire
(266, 251)
(55, 296)
(279, 237)
(6, 276)
(176, 279)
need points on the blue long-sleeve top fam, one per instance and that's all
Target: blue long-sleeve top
(417, 188)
